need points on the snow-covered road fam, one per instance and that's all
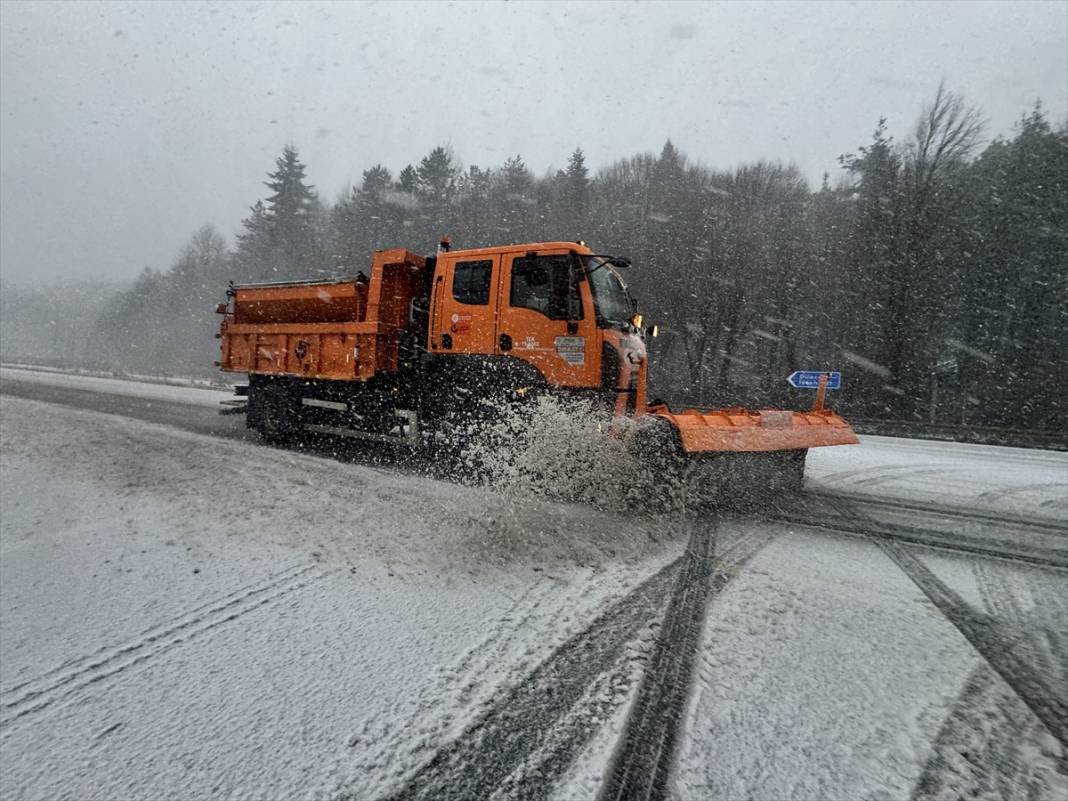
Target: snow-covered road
(185, 614)
(975, 477)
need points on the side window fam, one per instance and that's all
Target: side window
(471, 282)
(547, 284)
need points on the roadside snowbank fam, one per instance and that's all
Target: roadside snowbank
(170, 380)
(191, 393)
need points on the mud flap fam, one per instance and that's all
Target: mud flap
(273, 412)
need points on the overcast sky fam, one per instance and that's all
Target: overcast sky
(125, 126)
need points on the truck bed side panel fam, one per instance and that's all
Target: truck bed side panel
(345, 330)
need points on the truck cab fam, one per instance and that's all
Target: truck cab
(553, 311)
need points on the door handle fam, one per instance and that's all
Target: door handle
(506, 342)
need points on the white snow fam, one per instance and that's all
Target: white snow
(982, 477)
(185, 615)
(182, 615)
(190, 394)
(823, 673)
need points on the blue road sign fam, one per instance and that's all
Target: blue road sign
(810, 379)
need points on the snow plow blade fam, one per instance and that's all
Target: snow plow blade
(731, 458)
(742, 431)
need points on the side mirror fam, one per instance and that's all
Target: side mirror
(652, 331)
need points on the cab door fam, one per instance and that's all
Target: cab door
(545, 317)
(465, 309)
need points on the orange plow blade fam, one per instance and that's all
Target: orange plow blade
(739, 430)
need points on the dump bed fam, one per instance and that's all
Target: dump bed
(348, 329)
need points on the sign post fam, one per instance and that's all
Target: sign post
(821, 393)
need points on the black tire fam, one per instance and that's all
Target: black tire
(277, 416)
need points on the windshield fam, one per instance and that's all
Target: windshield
(610, 298)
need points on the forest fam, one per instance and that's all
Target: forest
(931, 270)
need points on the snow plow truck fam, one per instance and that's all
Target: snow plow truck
(424, 345)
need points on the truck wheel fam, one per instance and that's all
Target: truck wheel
(279, 418)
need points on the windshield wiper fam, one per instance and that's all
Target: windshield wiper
(615, 261)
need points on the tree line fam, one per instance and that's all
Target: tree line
(932, 271)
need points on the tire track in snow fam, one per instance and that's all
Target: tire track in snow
(522, 719)
(968, 514)
(644, 757)
(1039, 632)
(984, 748)
(987, 743)
(532, 733)
(912, 473)
(73, 664)
(1037, 542)
(538, 775)
(993, 496)
(990, 639)
(641, 767)
(404, 731)
(998, 596)
(993, 640)
(538, 778)
(867, 475)
(483, 657)
(106, 663)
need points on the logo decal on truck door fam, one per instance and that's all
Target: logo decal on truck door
(572, 350)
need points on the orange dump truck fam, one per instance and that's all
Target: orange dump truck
(424, 345)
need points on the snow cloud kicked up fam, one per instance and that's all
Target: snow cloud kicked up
(570, 450)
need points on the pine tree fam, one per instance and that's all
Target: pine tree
(1014, 320)
(291, 208)
(437, 175)
(376, 181)
(408, 180)
(253, 257)
(576, 189)
(378, 219)
(473, 191)
(874, 253)
(516, 177)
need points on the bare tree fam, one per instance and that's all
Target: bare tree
(946, 134)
